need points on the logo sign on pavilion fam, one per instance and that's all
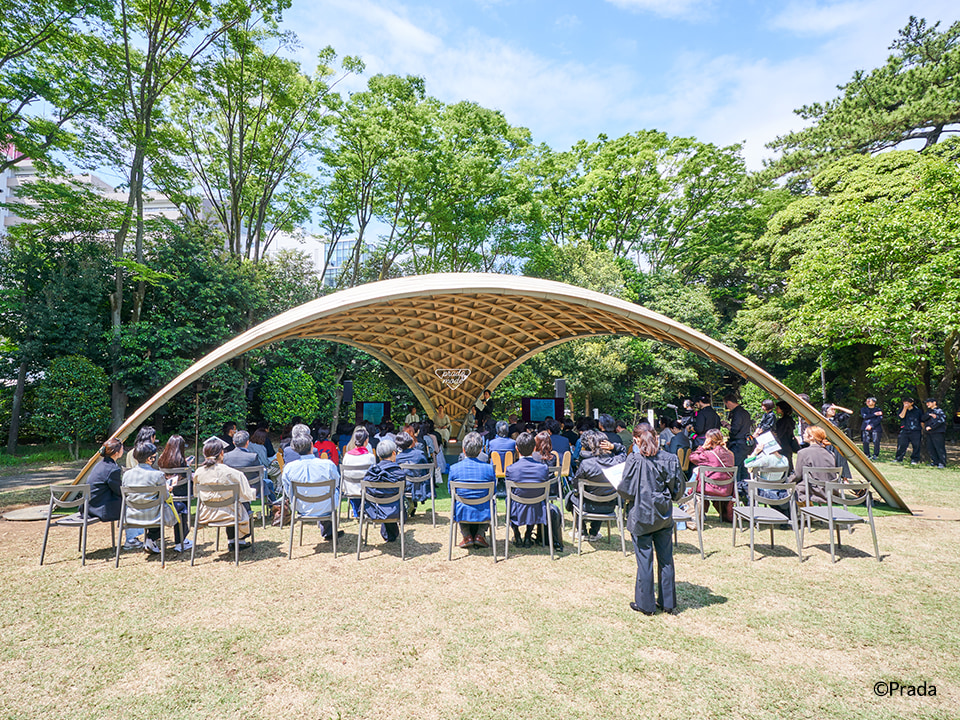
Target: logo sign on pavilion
(452, 377)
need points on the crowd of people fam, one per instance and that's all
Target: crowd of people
(348, 454)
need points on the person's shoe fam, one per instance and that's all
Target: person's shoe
(151, 546)
(466, 543)
(668, 611)
(637, 608)
(328, 538)
(183, 546)
(914, 462)
(413, 510)
(481, 542)
(940, 467)
(876, 458)
(135, 544)
(595, 538)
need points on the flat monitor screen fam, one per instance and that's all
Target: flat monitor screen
(539, 409)
(373, 412)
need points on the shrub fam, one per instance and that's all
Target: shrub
(288, 392)
(73, 402)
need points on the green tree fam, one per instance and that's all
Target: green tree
(73, 402)
(913, 97)
(286, 393)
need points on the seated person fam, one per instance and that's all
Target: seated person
(473, 519)
(104, 480)
(442, 424)
(173, 457)
(558, 441)
(543, 449)
(289, 454)
(502, 443)
(418, 481)
(412, 417)
(325, 445)
(526, 470)
(214, 472)
(771, 467)
(818, 452)
(714, 453)
(310, 469)
(357, 459)
(386, 470)
(142, 475)
(596, 454)
(678, 438)
(243, 457)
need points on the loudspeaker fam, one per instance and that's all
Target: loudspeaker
(560, 388)
(347, 392)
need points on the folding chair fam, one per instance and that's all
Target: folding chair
(541, 496)
(585, 492)
(489, 497)
(142, 498)
(764, 511)
(392, 493)
(428, 477)
(310, 493)
(683, 455)
(233, 501)
(844, 494)
(704, 498)
(65, 495)
(256, 476)
(187, 475)
(829, 474)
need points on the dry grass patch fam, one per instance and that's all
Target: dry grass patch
(426, 638)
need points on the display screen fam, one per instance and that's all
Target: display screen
(373, 412)
(539, 409)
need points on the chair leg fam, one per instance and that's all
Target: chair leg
(833, 553)
(116, 561)
(453, 524)
(196, 526)
(360, 531)
(546, 513)
(433, 501)
(293, 523)
(113, 536)
(700, 529)
(752, 525)
(403, 550)
(163, 537)
(336, 528)
(797, 531)
(506, 545)
(236, 537)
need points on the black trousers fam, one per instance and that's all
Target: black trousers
(909, 438)
(869, 436)
(644, 546)
(937, 448)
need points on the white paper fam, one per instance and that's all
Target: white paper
(767, 443)
(614, 474)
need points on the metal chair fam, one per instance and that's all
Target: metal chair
(313, 493)
(763, 511)
(704, 498)
(233, 501)
(821, 474)
(585, 492)
(489, 497)
(541, 496)
(65, 495)
(143, 498)
(682, 515)
(392, 493)
(256, 476)
(844, 494)
(187, 474)
(428, 477)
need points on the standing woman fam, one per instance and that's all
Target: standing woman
(652, 487)
(783, 430)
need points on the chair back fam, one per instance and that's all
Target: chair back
(143, 497)
(393, 491)
(424, 470)
(840, 492)
(730, 472)
(66, 495)
(312, 492)
(754, 485)
(253, 473)
(280, 458)
(232, 489)
(507, 459)
(689, 490)
(489, 489)
(586, 488)
(818, 477)
(541, 492)
(565, 463)
(683, 455)
(497, 463)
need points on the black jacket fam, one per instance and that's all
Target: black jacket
(706, 419)
(740, 423)
(105, 479)
(652, 484)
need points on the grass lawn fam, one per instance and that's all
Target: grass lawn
(426, 638)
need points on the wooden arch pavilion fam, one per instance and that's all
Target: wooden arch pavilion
(431, 329)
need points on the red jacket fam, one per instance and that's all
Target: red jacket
(328, 447)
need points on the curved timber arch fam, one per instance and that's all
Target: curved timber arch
(485, 324)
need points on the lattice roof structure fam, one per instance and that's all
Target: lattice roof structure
(451, 336)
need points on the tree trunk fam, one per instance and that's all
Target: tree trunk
(14, 434)
(823, 380)
(951, 354)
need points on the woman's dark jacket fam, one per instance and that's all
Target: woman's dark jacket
(105, 479)
(591, 470)
(652, 484)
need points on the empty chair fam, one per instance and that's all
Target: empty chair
(145, 506)
(476, 495)
(839, 495)
(66, 495)
(767, 511)
(313, 502)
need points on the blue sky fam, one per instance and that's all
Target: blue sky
(722, 72)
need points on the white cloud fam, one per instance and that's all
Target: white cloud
(808, 17)
(567, 22)
(664, 8)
